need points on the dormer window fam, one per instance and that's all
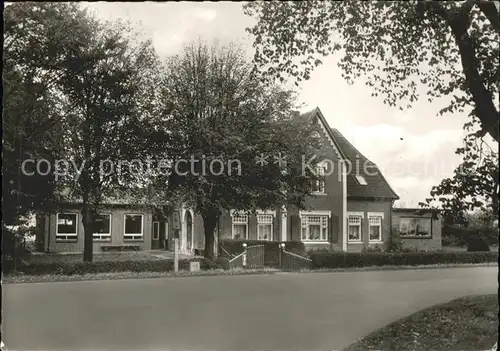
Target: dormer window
(361, 180)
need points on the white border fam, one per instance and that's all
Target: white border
(107, 235)
(153, 236)
(133, 234)
(67, 234)
(315, 213)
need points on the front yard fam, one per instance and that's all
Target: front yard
(469, 323)
(41, 258)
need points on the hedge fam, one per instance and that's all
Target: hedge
(461, 236)
(72, 268)
(271, 248)
(367, 259)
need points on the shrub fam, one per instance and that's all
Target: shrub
(271, 248)
(349, 260)
(72, 268)
(395, 243)
(477, 244)
(460, 236)
(375, 248)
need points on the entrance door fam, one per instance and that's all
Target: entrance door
(189, 231)
(155, 237)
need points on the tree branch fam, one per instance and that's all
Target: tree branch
(491, 12)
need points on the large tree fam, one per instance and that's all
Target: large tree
(33, 35)
(220, 119)
(98, 78)
(443, 48)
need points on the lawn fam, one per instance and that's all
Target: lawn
(469, 323)
(464, 248)
(98, 257)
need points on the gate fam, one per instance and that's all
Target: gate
(251, 257)
(255, 256)
(290, 261)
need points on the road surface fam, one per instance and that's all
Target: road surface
(285, 311)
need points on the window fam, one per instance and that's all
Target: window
(375, 227)
(361, 180)
(67, 226)
(314, 228)
(240, 226)
(354, 227)
(319, 184)
(264, 227)
(102, 227)
(156, 230)
(415, 227)
(133, 227)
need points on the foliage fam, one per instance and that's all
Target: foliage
(402, 48)
(72, 268)
(33, 33)
(395, 243)
(456, 236)
(271, 248)
(375, 248)
(348, 260)
(218, 114)
(474, 185)
(477, 243)
(14, 252)
(98, 81)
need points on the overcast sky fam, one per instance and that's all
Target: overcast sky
(413, 148)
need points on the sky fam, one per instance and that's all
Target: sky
(415, 148)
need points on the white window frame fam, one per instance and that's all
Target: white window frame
(239, 214)
(67, 236)
(361, 216)
(157, 236)
(380, 217)
(415, 236)
(304, 224)
(133, 236)
(261, 215)
(320, 170)
(166, 230)
(361, 179)
(103, 236)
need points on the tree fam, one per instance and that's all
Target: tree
(474, 185)
(220, 119)
(33, 33)
(95, 95)
(448, 48)
(109, 79)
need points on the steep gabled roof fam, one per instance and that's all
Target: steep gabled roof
(377, 186)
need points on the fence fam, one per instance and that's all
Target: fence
(251, 257)
(290, 261)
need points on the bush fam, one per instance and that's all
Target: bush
(461, 236)
(395, 243)
(72, 268)
(271, 248)
(477, 244)
(375, 248)
(350, 260)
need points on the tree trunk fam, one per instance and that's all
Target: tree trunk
(87, 220)
(209, 222)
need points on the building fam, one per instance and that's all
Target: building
(350, 209)
(417, 228)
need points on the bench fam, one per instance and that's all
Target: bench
(107, 248)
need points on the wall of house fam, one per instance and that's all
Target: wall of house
(226, 226)
(331, 200)
(117, 230)
(365, 206)
(432, 243)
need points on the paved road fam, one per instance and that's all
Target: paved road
(279, 312)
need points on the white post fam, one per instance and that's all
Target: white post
(283, 224)
(244, 255)
(176, 255)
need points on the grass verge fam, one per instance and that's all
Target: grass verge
(469, 323)
(396, 268)
(20, 278)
